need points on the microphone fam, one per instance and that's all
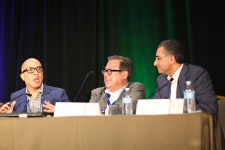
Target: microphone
(18, 97)
(78, 93)
(169, 81)
(9, 105)
(21, 95)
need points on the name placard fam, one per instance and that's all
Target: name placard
(152, 106)
(63, 109)
(159, 106)
(176, 106)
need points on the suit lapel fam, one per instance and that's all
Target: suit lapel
(103, 102)
(181, 82)
(22, 101)
(103, 99)
(119, 100)
(164, 92)
(45, 95)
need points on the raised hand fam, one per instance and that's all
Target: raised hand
(6, 108)
(48, 107)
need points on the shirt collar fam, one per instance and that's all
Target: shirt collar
(176, 74)
(117, 91)
(40, 91)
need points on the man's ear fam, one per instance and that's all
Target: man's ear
(21, 76)
(125, 74)
(172, 59)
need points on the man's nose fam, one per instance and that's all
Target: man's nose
(35, 71)
(106, 74)
(155, 63)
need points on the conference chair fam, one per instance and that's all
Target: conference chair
(221, 103)
(221, 115)
(219, 97)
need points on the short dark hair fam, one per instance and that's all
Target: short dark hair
(175, 48)
(125, 64)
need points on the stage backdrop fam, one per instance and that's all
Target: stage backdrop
(73, 37)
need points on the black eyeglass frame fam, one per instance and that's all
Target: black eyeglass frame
(109, 71)
(31, 70)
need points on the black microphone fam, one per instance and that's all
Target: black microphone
(78, 93)
(21, 95)
(28, 95)
(18, 97)
(169, 81)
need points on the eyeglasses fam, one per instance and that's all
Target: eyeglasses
(30, 70)
(109, 71)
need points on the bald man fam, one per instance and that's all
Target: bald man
(36, 96)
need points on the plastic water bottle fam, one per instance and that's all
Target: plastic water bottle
(127, 108)
(189, 98)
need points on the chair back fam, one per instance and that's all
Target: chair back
(221, 114)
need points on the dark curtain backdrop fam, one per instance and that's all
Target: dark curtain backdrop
(73, 37)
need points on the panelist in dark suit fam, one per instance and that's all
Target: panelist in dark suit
(36, 97)
(170, 64)
(50, 95)
(117, 74)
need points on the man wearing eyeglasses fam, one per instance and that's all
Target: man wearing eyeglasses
(117, 74)
(36, 97)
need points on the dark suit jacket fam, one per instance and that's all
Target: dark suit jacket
(137, 91)
(201, 82)
(51, 94)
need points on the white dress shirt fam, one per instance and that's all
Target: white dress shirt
(173, 93)
(113, 96)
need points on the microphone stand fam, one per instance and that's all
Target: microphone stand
(75, 98)
(170, 81)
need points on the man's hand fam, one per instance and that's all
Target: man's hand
(6, 108)
(48, 107)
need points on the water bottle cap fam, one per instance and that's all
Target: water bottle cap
(188, 82)
(127, 89)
